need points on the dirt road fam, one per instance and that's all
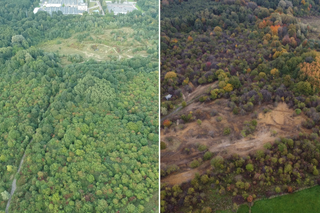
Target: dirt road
(14, 182)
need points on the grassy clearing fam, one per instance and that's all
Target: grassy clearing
(243, 209)
(92, 4)
(306, 201)
(99, 46)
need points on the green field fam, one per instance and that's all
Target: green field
(243, 209)
(306, 201)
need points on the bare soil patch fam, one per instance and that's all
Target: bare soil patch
(280, 121)
(314, 23)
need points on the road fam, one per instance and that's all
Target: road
(14, 183)
(98, 2)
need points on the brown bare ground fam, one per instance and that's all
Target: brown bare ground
(280, 119)
(198, 91)
(314, 23)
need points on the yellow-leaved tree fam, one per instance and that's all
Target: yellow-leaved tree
(274, 72)
(170, 75)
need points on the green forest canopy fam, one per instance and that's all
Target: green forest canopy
(89, 130)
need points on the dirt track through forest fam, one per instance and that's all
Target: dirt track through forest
(14, 182)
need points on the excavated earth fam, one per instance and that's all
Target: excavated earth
(279, 121)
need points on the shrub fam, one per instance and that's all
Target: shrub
(184, 104)
(207, 156)
(172, 168)
(277, 189)
(298, 111)
(199, 122)
(163, 145)
(267, 146)
(166, 123)
(202, 147)
(195, 163)
(250, 167)
(217, 162)
(204, 179)
(206, 210)
(236, 110)
(219, 118)
(226, 131)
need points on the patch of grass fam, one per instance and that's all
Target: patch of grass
(138, 8)
(106, 48)
(306, 201)
(243, 209)
(92, 4)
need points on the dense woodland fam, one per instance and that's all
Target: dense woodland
(259, 53)
(89, 130)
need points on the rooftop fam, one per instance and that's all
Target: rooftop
(64, 10)
(120, 8)
(68, 2)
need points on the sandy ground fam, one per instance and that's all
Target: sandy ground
(280, 119)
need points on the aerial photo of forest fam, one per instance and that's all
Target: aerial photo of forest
(78, 110)
(240, 106)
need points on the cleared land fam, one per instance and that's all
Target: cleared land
(314, 23)
(279, 121)
(100, 46)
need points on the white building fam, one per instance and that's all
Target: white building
(65, 6)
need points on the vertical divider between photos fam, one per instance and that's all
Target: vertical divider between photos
(159, 108)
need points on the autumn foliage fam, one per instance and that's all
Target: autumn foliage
(170, 75)
(274, 29)
(264, 23)
(190, 38)
(166, 123)
(174, 40)
(274, 72)
(312, 71)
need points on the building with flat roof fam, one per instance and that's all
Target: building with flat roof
(119, 8)
(67, 7)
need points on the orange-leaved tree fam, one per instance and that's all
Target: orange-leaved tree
(312, 70)
(274, 29)
(166, 123)
(263, 24)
